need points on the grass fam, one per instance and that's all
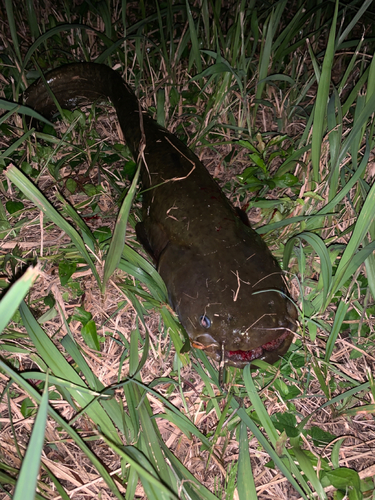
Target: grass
(279, 103)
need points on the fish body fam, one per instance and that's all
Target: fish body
(222, 280)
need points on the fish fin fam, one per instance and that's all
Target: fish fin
(152, 236)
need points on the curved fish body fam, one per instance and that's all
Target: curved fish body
(222, 280)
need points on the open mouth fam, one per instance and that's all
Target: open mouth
(270, 351)
(247, 356)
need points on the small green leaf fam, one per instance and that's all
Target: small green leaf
(320, 437)
(90, 190)
(49, 300)
(71, 185)
(129, 169)
(66, 269)
(341, 478)
(102, 233)
(81, 315)
(90, 335)
(258, 160)
(14, 206)
(28, 408)
(335, 455)
(247, 145)
(285, 180)
(29, 170)
(286, 422)
(174, 97)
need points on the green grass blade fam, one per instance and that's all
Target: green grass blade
(370, 264)
(269, 30)
(208, 384)
(308, 469)
(27, 480)
(16, 144)
(61, 368)
(362, 226)
(189, 485)
(334, 136)
(285, 464)
(282, 43)
(72, 349)
(13, 107)
(110, 405)
(160, 107)
(349, 69)
(330, 207)
(55, 31)
(354, 262)
(371, 81)
(195, 55)
(259, 406)
(29, 375)
(87, 235)
(132, 484)
(356, 143)
(151, 438)
(187, 424)
(118, 240)
(277, 460)
(13, 28)
(192, 488)
(11, 481)
(264, 58)
(152, 483)
(360, 122)
(133, 393)
(16, 293)
(339, 318)
(5, 225)
(245, 478)
(34, 394)
(144, 278)
(174, 330)
(353, 21)
(32, 193)
(60, 490)
(163, 47)
(325, 262)
(355, 91)
(32, 19)
(135, 258)
(322, 99)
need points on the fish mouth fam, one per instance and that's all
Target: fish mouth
(270, 351)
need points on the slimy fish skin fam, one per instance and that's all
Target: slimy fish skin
(222, 280)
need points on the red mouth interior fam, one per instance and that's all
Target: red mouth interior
(257, 353)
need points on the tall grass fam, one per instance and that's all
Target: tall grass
(214, 74)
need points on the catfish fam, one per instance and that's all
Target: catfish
(222, 280)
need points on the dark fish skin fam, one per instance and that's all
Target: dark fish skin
(222, 280)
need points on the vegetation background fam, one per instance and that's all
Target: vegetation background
(278, 99)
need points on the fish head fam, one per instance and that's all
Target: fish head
(236, 308)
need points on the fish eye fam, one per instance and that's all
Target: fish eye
(205, 321)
